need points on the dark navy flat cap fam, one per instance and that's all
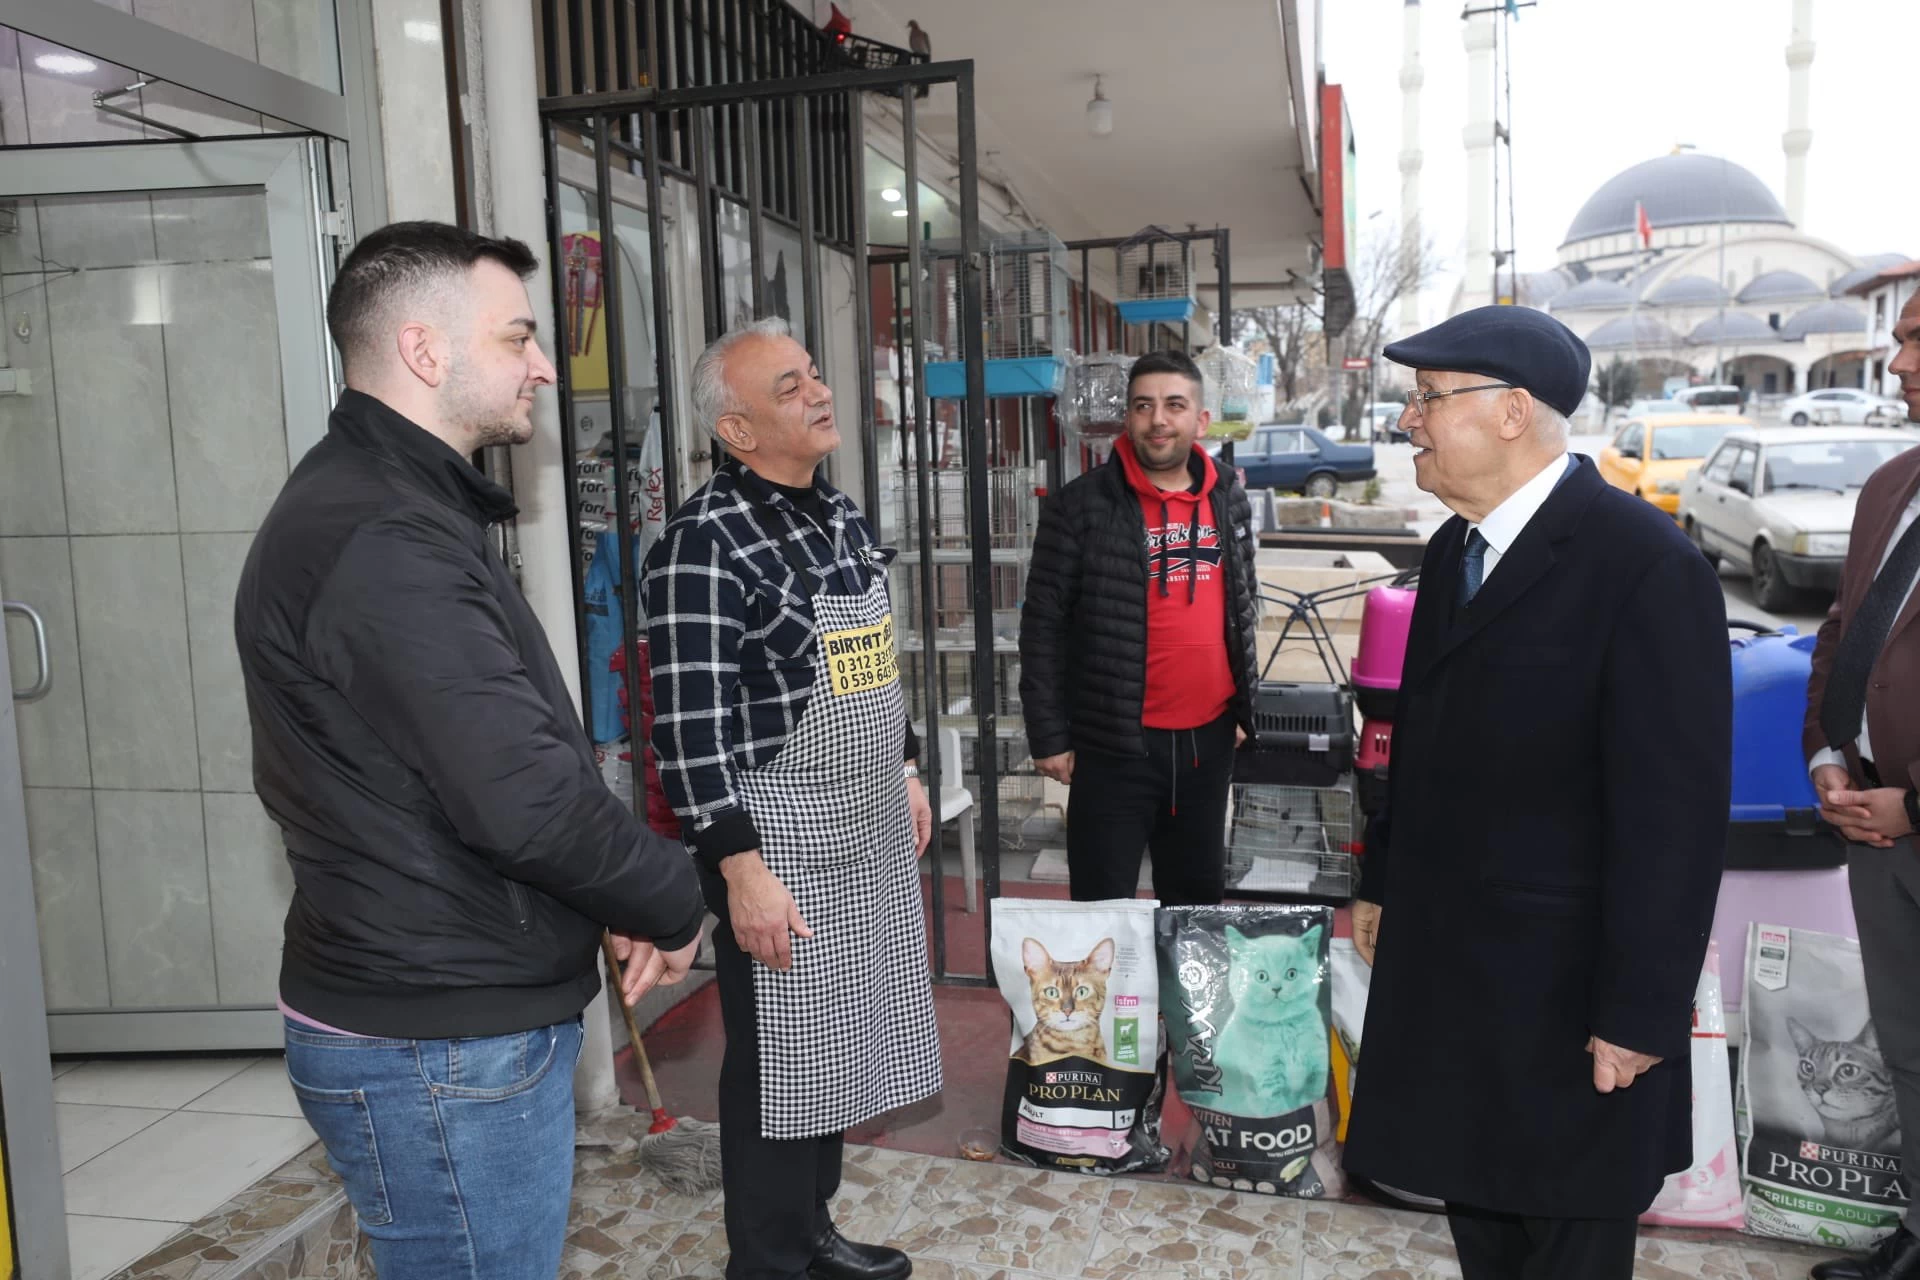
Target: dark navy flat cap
(1516, 345)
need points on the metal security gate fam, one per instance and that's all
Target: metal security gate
(787, 157)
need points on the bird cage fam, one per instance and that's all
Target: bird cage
(1095, 403)
(1154, 271)
(1230, 377)
(1028, 330)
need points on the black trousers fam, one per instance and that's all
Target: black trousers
(1505, 1246)
(1886, 909)
(777, 1189)
(1171, 803)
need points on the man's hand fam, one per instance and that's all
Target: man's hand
(1059, 768)
(1877, 817)
(1239, 737)
(922, 812)
(1614, 1067)
(1366, 928)
(644, 966)
(762, 910)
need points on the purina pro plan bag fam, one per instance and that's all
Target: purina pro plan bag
(1822, 1134)
(1248, 1001)
(1083, 1079)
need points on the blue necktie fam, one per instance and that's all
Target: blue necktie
(1472, 567)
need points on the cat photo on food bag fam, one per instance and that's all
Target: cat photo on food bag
(1849, 1086)
(1272, 1052)
(1067, 1002)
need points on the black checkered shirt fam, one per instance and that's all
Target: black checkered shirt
(730, 639)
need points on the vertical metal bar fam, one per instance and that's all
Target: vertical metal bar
(577, 46)
(712, 280)
(1086, 299)
(610, 285)
(855, 131)
(622, 68)
(985, 699)
(662, 300)
(929, 572)
(756, 216)
(569, 443)
(809, 256)
(1223, 263)
(651, 12)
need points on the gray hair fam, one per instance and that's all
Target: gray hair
(713, 399)
(1552, 424)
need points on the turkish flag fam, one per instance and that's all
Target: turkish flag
(1642, 225)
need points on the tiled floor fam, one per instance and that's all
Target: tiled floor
(149, 1146)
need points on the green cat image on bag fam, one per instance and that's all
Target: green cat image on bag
(1248, 1003)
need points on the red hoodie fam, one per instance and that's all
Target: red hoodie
(1189, 676)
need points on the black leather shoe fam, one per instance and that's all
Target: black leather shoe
(1895, 1258)
(837, 1258)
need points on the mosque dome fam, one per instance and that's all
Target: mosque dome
(1680, 190)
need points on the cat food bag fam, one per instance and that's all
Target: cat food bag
(1822, 1153)
(1708, 1194)
(1248, 1005)
(1083, 1071)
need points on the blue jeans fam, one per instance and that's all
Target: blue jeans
(457, 1155)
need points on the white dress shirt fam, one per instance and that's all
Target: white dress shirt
(1504, 523)
(1827, 755)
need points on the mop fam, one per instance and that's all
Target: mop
(683, 1153)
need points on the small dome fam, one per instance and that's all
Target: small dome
(1739, 327)
(1680, 190)
(1885, 260)
(1620, 333)
(1874, 264)
(1539, 288)
(1824, 317)
(1780, 286)
(1595, 293)
(1685, 291)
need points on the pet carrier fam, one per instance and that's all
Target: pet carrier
(1775, 822)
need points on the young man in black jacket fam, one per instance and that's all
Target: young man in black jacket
(1137, 649)
(455, 852)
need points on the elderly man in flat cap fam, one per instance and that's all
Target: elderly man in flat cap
(1537, 894)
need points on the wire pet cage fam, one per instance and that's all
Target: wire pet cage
(1028, 332)
(1230, 377)
(1291, 842)
(1155, 274)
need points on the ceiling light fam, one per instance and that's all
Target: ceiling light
(424, 32)
(899, 213)
(891, 195)
(1099, 112)
(65, 64)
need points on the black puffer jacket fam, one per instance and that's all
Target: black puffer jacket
(1083, 627)
(455, 852)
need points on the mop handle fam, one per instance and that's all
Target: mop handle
(633, 1028)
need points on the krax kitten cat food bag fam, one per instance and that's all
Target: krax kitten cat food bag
(1822, 1151)
(1083, 1071)
(1248, 1002)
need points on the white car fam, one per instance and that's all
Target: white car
(1778, 502)
(1847, 406)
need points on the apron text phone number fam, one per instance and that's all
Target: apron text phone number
(861, 658)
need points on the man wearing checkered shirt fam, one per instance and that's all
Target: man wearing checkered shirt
(781, 734)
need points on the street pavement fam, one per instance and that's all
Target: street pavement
(1395, 465)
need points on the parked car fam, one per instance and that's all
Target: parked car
(1723, 398)
(1847, 406)
(1294, 456)
(1650, 457)
(1383, 420)
(1641, 408)
(1779, 503)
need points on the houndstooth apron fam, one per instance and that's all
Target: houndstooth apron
(848, 1032)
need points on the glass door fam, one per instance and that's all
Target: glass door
(167, 357)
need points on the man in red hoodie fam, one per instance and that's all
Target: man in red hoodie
(1137, 647)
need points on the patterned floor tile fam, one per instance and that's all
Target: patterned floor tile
(1003, 1216)
(1164, 1229)
(876, 1185)
(1720, 1255)
(1358, 1242)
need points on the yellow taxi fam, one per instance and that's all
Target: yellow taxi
(1650, 455)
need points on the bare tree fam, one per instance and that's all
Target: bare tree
(1288, 332)
(1389, 270)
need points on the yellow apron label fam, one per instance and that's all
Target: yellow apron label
(861, 658)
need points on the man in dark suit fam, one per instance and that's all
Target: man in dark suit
(1538, 893)
(1862, 741)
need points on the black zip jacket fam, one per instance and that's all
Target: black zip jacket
(455, 852)
(1083, 625)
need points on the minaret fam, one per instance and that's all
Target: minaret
(1476, 286)
(1798, 137)
(1412, 76)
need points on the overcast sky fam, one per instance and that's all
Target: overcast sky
(1599, 85)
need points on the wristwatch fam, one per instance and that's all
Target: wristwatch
(1913, 809)
(913, 771)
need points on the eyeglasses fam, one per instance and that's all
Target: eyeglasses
(1417, 399)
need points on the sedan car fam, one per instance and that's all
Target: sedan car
(1295, 456)
(1650, 457)
(1779, 503)
(1847, 406)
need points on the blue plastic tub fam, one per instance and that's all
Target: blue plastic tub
(1775, 823)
